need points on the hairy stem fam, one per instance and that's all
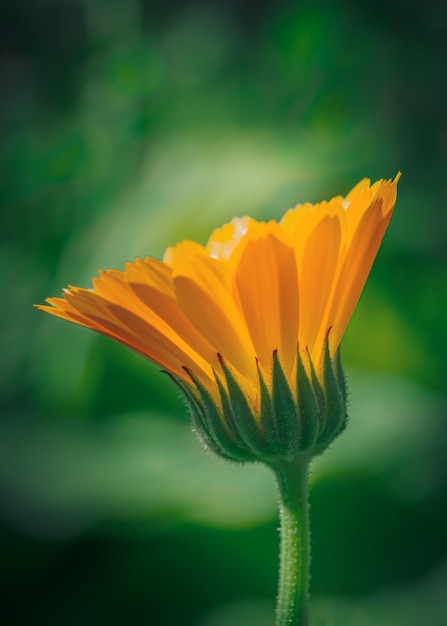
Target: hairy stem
(293, 593)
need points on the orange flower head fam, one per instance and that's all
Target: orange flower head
(263, 306)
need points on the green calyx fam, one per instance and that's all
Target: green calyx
(291, 423)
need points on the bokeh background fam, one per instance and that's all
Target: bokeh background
(126, 126)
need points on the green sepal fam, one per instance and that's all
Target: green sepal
(335, 405)
(266, 411)
(286, 426)
(242, 415)
(224, 444)
(341, 378)
(309, 408)
(228, 415)
(319, 396)
(198, 420)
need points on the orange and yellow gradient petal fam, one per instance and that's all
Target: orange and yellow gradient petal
(256, 289)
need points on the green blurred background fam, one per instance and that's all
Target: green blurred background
(126, 126)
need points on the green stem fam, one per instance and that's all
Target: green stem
(293, 593)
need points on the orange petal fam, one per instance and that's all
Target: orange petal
(267, 289)
(151, 282)
(152, 300)
(149, 338)
(358, 259)
(317, 270)
(203, 293)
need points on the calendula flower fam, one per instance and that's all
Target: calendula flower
(249, 325)
(249, 328)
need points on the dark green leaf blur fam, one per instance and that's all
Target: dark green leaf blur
(126, 126)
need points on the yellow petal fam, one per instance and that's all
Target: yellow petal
(224, 240)
(292, 220)
(183, 249)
